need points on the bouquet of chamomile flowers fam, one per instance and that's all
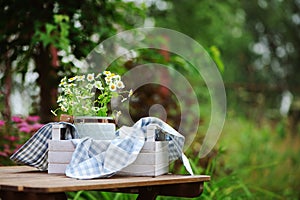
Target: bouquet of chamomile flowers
(90, 94)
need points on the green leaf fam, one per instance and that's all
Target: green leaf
(61, 18)
(49, 29)
(216, 56)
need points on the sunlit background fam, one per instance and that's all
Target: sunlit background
(255, 45)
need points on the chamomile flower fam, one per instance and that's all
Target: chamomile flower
(98, 85)
(68, 91)
(81, 78)
(120, 84)
(60, 99)
(108, 80)
(63, 108)
(63, 83)
(90, 77)
(112, 75)
(72, 79)
(107, 73)
(63, 80)
(89, 86)
(112, 87)
(117, 77)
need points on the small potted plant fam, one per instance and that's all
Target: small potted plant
(87, 97)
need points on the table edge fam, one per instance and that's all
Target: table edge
(139, 182)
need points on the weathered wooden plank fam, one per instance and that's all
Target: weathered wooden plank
(151, 161)
(63, 157)
(57, 168)
(27, 179)
(61, 145)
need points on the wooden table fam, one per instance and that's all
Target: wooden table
(23, 182)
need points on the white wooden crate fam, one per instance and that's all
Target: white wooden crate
(153, 159)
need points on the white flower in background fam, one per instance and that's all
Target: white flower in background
(77, 92)
(85, 108)
(89, 86)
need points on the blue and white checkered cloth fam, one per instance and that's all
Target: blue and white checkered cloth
(98, 158)
(35, 151)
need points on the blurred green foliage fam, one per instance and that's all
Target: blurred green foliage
(56, 34)
(255, 45)
(258, 43)
(48, 37)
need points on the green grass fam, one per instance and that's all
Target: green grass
(266, 161)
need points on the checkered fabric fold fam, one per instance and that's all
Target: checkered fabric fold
(35, 151)
(100, 158)
(176, 140)
(97, 159)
